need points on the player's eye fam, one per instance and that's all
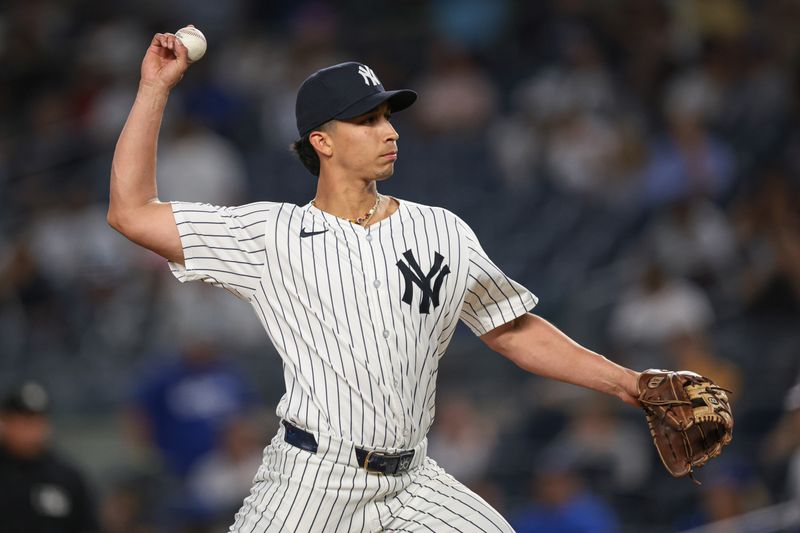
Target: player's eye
(373, 118)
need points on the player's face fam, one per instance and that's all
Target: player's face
(366, 146)
(23, 434)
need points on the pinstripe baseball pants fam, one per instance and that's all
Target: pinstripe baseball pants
(299, 491)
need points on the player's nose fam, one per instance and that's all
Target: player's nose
(391, 133)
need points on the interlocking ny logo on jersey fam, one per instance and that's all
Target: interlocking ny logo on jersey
(368, 75)
(414, 276)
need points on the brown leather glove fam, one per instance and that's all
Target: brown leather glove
(689, 416)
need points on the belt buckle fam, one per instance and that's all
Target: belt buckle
(366, 462)
(400, 461)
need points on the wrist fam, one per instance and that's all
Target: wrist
(630, 382)
(154, 88)
(626, 386)
(622, 382)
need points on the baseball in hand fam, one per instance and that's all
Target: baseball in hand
(194, 41)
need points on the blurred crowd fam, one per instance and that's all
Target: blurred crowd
(634, 163)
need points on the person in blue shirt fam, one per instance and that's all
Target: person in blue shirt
(561, 503)
(182, 407)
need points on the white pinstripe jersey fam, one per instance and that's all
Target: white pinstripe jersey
(360, 316)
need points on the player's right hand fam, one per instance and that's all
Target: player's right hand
(165, 61)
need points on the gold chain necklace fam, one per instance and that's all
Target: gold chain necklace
(363, 219)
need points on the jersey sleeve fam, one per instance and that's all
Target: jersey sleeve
(491, 298)
(222, 246)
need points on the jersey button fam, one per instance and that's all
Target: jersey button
(369, 237)
(386, 334)
(376, 283)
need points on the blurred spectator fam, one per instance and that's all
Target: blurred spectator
(781, 448)
(458, 96)
(183, 405)
(470, 23)
(49, 153)
(126, 508)
(792, 151)
(87, 266)
(491, 491)
(695, 93)
(753, 116)
(216, 18)
(107, 109)
(189, 313)
(111, 48)
(32, 320)
(704, 20)
(42, 493)
(693, 239)
(566, 114)
(729, 490)
(197, 165)
(612, 453)
(659, 308)
(694, 352)
(561, 503)
(580, 83)
(72, 244)
(590, 154)
(642, 31)
(580, 151)
(462, 439)
(793, 413)
(688, 160)
(768, 227)
(221, 480)
(518, 147)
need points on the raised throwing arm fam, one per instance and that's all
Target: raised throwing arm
(134, 209)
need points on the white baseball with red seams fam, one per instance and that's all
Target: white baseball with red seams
(194, 41)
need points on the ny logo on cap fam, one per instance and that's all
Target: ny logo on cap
(368, 75)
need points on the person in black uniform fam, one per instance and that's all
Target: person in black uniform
(40, 492)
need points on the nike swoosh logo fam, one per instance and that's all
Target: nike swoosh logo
(304, 233)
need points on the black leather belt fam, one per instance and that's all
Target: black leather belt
(385, 463)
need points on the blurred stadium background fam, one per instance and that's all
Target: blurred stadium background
(635, 163)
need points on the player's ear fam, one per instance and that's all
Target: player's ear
(321, 142)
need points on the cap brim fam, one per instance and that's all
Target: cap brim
(398, 100)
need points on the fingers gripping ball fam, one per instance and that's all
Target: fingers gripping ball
(689, 416)
(194, 41)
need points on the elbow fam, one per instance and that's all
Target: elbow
(506, 346)
(114, 219)
(498, 344)
(514, 342)
(119, 220)
(503, 338)
(111, 218)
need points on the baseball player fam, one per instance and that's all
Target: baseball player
(360, 293)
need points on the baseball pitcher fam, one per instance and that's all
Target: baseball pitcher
(360, 293)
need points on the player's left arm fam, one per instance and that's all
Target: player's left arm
(537, 346)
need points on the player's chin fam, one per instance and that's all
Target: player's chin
(384, 173)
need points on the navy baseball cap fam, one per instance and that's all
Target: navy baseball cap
(344, 91)
(28, 398)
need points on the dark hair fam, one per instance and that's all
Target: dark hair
(306, 154)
